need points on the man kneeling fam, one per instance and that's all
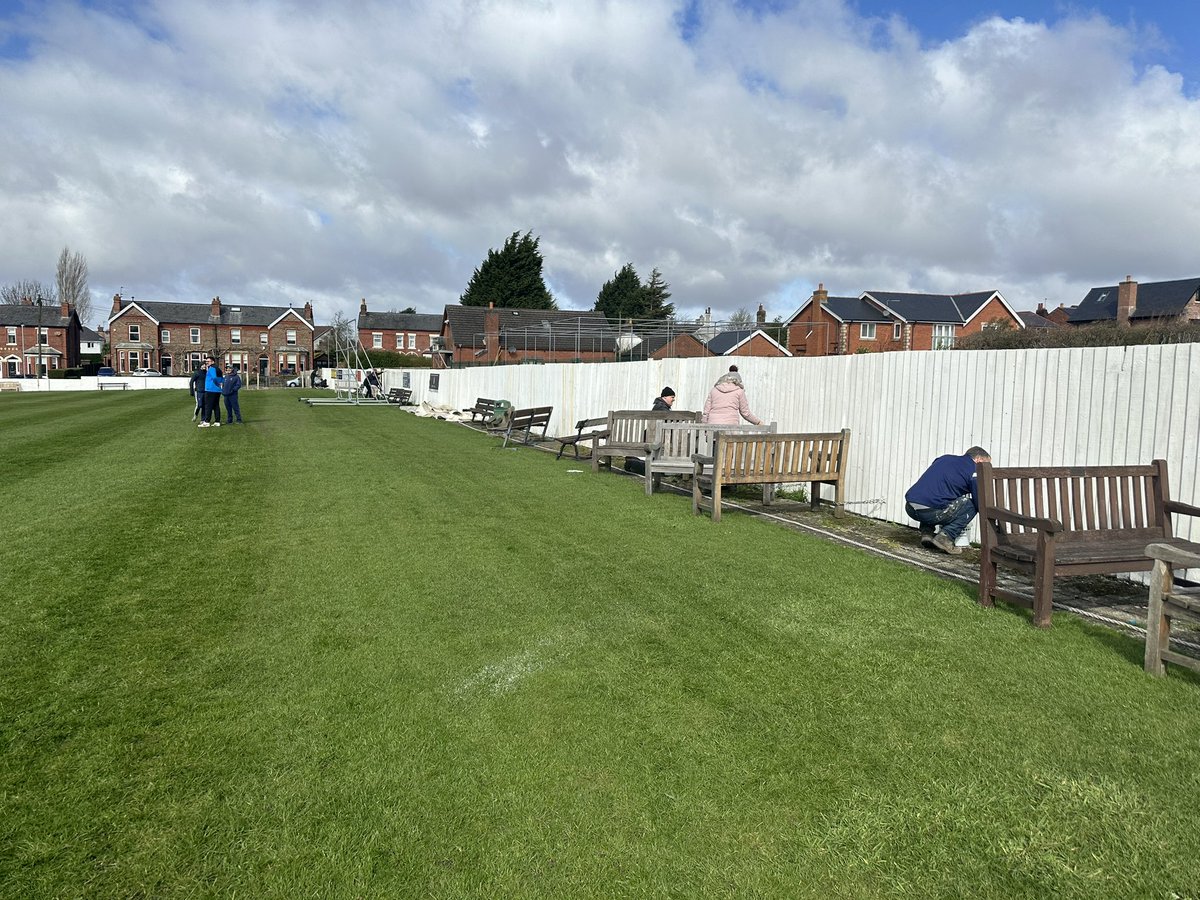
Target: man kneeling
(946, 495)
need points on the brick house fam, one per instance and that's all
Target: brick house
(174, 338)
(488, 336)
(1129, 302)
(23, 350)
(745, 342)
(398, 332)
(888, 320)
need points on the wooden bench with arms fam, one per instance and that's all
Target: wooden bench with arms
(523, 422)
(585, 430)
(771, 459)
(1169, 601)
(1070, 520)
(401, 396)
(10, 386)
(630, 433)
(677, 442)
(484, 408)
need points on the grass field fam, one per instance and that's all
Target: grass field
(353, 653)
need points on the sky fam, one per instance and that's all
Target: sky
(281, 152)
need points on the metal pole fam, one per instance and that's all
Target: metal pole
(39, 340)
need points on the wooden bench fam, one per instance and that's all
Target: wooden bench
(484, 408)
(10, 386)
(523, 422)
(123, 385)
(771, 459)
(585, 430)
(402, 396)
(677, 442)
(1076, 520)
(630, 433)
(1169, 601)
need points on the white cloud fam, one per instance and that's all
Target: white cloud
(275, 153)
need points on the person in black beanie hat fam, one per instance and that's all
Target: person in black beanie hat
(664, 401)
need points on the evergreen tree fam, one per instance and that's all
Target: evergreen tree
(622, 296)
(656, 294)
(511, 277)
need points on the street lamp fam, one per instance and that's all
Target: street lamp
(39, 342)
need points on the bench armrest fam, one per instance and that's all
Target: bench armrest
(1183, 509)
(702, 460)
(591, 423)
(1053, 526)
(1176, 556)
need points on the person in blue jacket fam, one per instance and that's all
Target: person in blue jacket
(230, 385)
(212, 394)
(947, 495)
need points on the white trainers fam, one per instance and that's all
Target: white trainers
(202, 425)
(216, 424)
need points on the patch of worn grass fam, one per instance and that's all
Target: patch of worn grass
(348, 652)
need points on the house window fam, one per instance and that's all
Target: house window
(866, 331)
(943, 337)
(291, 337)
(897, 331)
(399, 340)
(194, 361)
(165, 335)
(262, 338)
(412, 341)
(135, 332)
(377, 340)
(235, 335)
(195, 335)
(12, 335)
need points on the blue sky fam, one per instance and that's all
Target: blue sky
(282, 153)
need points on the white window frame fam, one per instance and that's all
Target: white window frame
(291, 337)
(165, 335)
(943, 337)
(399, 340)
(866, 331)
(377, 340)
(12, 335)
(897, 331)
(412, 340)
(235, 335)
(43, 336)
(262, 339)
(195, 335)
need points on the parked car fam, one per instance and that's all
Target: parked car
(295, 382)
(106, 372)
(147, 372)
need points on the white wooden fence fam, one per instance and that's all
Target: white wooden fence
(1080, 406)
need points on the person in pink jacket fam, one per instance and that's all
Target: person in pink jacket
(726, 403)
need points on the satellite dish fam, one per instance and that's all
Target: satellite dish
(627, 341)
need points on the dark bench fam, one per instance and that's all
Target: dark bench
(123, 385)
(523, 422)
(402, 396)
(484, 408)
(1070, 520)
(771, 459)
(630, 433)
(585, 430)
(1169, 601)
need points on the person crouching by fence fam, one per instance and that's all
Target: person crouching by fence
(946, 495)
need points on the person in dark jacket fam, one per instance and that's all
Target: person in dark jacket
(196, 389)
(664, 401)
(230, 385)
(947, 495)
(212, 394)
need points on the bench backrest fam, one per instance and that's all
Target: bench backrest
(531, 418)
(634, 426)
(779, 458)
(681, 440)
(1083, 499)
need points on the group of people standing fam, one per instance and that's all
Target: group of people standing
(943, 501)
(208, 385)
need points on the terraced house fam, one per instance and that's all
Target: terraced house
(38, 338)
(175, 337)
(397, 331)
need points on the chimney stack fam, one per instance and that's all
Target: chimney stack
(1041, 310)
(761, 317)
(1126, 300)
(491, 332)
(116, 307)
(816, 341)
(308, 310)
(362, 307)
(215, 309)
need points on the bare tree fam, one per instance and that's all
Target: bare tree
(741, 319)
(16, 292)
(72, 281)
